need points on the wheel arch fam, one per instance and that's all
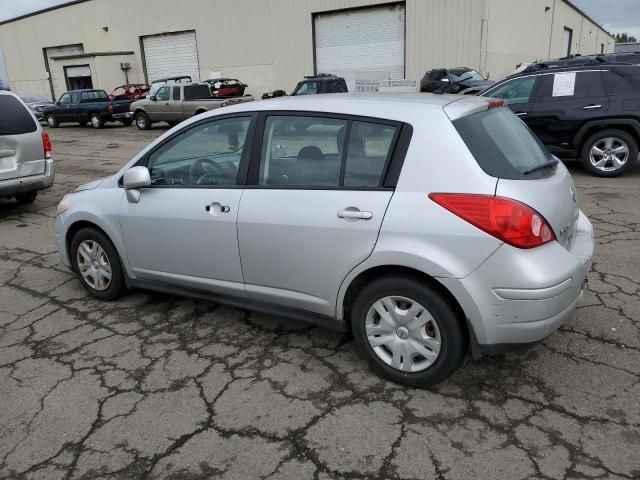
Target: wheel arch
(630, 126)
(78, 225)
(367, 275)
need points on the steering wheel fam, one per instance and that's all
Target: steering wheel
(205, 171)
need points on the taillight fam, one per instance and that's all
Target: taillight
(508, 220)
(46, 145)
(110, 108)
(495, 102)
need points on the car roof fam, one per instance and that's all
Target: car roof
(569, 68)
(391, 106)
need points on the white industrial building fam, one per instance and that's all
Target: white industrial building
(271, 44)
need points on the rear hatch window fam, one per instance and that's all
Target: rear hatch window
(15, 119)
(503, 145)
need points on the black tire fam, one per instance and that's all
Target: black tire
(27, 197)
(609, 169)
(452, 329)
(142, 121)
(173, 124)
(96, 120)
(127, 122)
(82, 124)
(52, 121)
(116, 286)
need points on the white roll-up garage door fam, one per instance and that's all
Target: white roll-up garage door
(171, 55)
(365, 43)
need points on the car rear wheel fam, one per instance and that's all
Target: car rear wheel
(96, 120)
(127, 122)
(609, 153)
(142, 121)
(408, 331)
(52, 121)
(26, 198)
(97, 264)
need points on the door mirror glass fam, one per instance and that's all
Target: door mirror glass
(153, 98)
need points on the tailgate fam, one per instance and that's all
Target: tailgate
(121, 106)
(21, 150)
(554, 197)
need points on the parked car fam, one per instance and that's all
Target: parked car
(87, 106)
(314, 85)
(26, 164)
(37, 104)
(226, 87)
(175, 103)
(132, 91)
(454, 80)
(345, 216)
(156, 84)
(584, 60)
(591, 112)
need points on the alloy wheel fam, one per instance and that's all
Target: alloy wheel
(403, 334)
(94, 265)
(95, 121)
(609, 154)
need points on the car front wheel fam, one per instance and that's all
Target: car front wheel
(52, 121)
(97, 264)
(408, 331)
(609, 153)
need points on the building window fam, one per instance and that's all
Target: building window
(567, 38)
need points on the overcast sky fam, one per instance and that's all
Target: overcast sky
(615, 15)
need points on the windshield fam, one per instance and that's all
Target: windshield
(503, 145)
(464, 74)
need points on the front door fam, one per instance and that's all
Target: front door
(183, 229)
(64, 108)
(158, 110)
(565, 101)
(313, 207)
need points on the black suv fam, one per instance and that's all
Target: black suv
(321, 83)
(632, 58)
(453, 80)
(589, 111)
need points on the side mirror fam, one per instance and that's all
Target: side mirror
(134, 179)
(153, 98)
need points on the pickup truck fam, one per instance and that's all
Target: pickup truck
(177, 102)
(84, 106)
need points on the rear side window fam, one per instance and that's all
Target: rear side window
(369, 149)
(195, 92)
(502, 144)
(14, 117)
(176, 93)
(570, 85)
(623, 81)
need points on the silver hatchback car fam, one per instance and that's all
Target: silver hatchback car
(26, 165)
(428, 226)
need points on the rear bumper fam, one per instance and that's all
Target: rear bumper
(14, 186)
(122, 116)
(519, 297)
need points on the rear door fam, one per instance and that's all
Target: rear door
(314, 205)
(21, 150)
(564, 102)
(175, 112)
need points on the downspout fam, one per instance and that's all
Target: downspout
(553, 17)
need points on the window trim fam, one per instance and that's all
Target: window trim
(243, 167)
(393, 163)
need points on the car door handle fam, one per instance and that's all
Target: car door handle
(216, 208)
(592, 107)
(355, 214)
(521, 114)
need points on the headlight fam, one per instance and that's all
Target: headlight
(63, 206)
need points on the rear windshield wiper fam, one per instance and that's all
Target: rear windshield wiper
(542, 166)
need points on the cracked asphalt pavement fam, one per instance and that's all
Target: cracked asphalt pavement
(160, 387)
